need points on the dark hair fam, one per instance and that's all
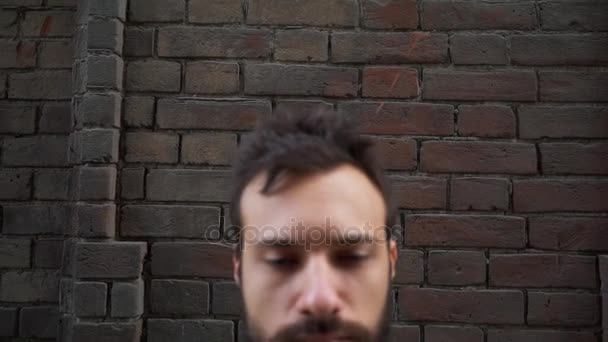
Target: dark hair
(304, 144)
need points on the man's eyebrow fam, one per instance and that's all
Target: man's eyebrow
(350, 238)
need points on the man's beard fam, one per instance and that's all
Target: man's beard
(304, 330)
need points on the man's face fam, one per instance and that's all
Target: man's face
(315, 265)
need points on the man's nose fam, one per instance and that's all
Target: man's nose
(320, 295)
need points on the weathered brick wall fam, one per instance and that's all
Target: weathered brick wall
(35, 122)
(490, 118)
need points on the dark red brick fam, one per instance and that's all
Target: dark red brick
(550, 195)
(17, 118)
(301, 45)
(401, 117)
(151, 147)
(409, 268)
(486, 121)
(531, 335)
(543, 270)
(188, 185)
(400, 333)
(48, 24)
(311, 12)
(508, 85)
(478, 49)
(389, 47)
(396, 153)
(184, 221)
(569, 233)
(139, 41)
(153, 75)
(204, 77)
(179, 297)
(215, 12)
(563, 309)
(442, 333)
(390, 82)
(17, 54)
(456, 268)
(580, 16)
(390, 14)
(465, 231)
(463, 15)
(419, 192)
(479, 194)
(573, 86)
(563, 122)
(467, 306)
(574, 158)
(185, 258)
(157, 10)
(478, 156)
(566, 49)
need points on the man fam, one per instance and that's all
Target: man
(314, 259)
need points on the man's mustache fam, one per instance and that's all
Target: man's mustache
(308, 328)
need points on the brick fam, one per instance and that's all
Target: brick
(204, 77)
(543, 270)
(390, 82)
(574, 158)
(99, 145)
(109, 259)
(529, 335)
(90, 299)
(465, 231)
(105, 35)
(29, 286)
(31, 3)
(15, 184)
(17, 118)
(189, 329)
(446, 333)
(573, 86)
(568, 233)
(41, 84)
(396, 153)
(8, 16)
(17, 54)
(52, 184)
(151, 147)
(139, 41)
(188, 185)
(208, 148)
(468, 306)
(154, 75)
(176, 41)
(507, 85)
(340, 13)
(470, 49)
(278, 79)
(15, 253)
(57, 54)
(200, 114)
(185, 258)
(138, 111)
(389, 47)
(48, 24)
(62, 3)
(563, 49)
(563, 309)
(8, 322)
(410, 267)
(419, 192)
(215, 12)
(157, 10)
(302, 107)
(603, 261)
(401, 118)
(484, 194)
(38, 322)
(104, 72)
(127, 299)
(36, 219)
(96, 220)
(456, 268)
(97, 183)
(563, 122)
(107, 332)
(465, 15)
(56, 117)
(301, 45)
(478, 156)
(580, 16)
(132, 183)
(169, 221)
(486, 121)
(100, 110)
(400, 14)
(179, 297)
(550, 195)
(400, 332)
(227, 299)
(114, 9)
(48, 253)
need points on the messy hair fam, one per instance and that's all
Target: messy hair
(303, 144)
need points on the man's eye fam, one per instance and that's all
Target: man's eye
(352, 259)
(282, 262)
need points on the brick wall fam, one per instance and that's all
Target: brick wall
(490, 118)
